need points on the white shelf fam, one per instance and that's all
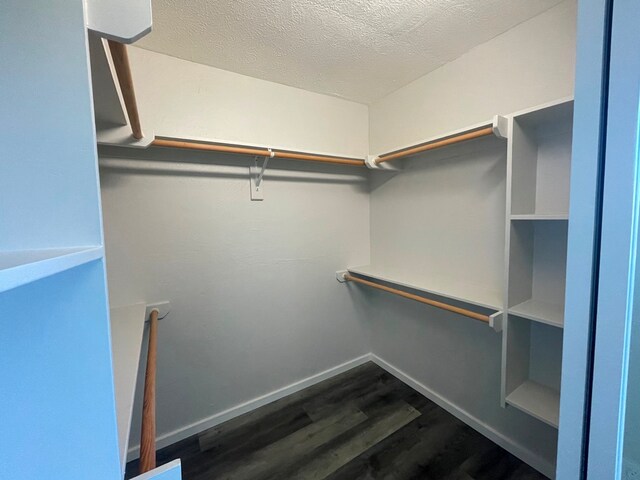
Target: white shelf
(538, 311)
(459, 291)
(127, 327)
(540, 216)
(538, 401)
(22, 267)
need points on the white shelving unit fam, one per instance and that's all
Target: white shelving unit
(56, 357)
(539, 163)
(127, 329)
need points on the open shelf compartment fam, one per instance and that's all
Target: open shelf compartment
(541, 161)
(537, 400)
(533, 368)
(537, 270)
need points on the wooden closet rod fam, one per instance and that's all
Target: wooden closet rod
(417, 298)
(123, 72)
(482, 132)
(256, 151)
(148, 437)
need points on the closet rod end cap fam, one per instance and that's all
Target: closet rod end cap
(340, 276)
(370, 162)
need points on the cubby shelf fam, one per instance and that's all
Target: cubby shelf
(458, 291)
(538, 401)
(21, 267)
(539, 311)
(540, 216)
(539, 157)
(127, 327)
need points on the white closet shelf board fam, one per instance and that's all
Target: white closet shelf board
(541, 216)
(538, 311)
(538, 401)
(498, 123)
(548, 113)
(127, 328)
(466, 293)
(21, 267)
(123, 20)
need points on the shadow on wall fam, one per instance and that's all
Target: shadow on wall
(439, 159)
(169, 162)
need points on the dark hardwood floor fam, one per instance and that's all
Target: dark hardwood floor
(361, 425)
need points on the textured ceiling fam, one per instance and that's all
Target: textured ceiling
(356, 49)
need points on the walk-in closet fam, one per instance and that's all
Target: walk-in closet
(285, 240)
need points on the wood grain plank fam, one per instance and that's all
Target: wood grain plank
(262, 463)
(402, 454)
(346, 449)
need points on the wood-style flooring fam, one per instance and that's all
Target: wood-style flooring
(361, 425)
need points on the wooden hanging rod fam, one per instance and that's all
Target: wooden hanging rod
(148, 436)
(256, 151)
(123, 72)
(417, 298)
(482, 132)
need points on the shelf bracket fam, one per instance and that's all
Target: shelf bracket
(501, 127)
(495, 321)
(256, 176)
(340, 276)
(370, 162)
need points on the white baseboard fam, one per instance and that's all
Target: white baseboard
(167, 439)
(510, 445)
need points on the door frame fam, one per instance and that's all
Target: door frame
(618, 250)
(583, 253)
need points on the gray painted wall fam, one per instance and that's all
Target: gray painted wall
(255, 305)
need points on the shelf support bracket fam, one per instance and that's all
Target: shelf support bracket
(256, 176)
(495, 321)
(370, 162)
(500, 127)
(340, 276)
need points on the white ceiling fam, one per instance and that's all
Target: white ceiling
(356, 49)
